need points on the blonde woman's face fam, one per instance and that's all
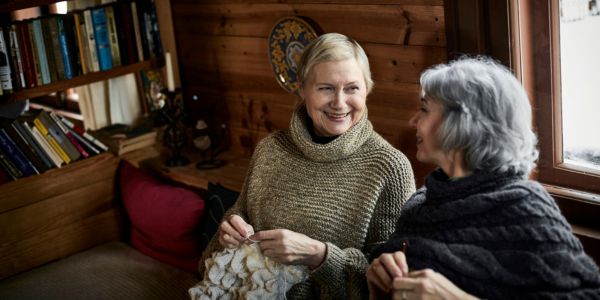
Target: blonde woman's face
(335, 95)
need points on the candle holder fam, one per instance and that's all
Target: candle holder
(175, 133)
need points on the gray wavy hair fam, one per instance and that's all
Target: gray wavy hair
(486, 113)
(333, 47)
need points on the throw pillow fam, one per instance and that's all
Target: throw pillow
(165, 219)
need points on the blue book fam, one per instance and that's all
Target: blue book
(15, 154)
(64, 47)
(38, 37)
(101, 35)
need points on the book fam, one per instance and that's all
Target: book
(121, 138)
(35, 54)
(65, 48)
(26, 132)
(97, 144)
(20, 141)
(41, 127)
(62, 140)
(112, 35)
(15, 155)
(48, 23)
(137, 32)
(89, 28)
(70, 136)
(26, 54)
(41, 139)
(5, 71)
(38, 39)
(9, 166)
(17, 57)
(125, 33)
(81, 35)
(58, 59)
(102, 39)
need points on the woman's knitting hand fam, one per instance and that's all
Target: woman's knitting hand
(234, 231)
(383, 270)
(292, 248)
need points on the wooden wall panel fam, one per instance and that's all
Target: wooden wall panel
(389, 24)
(223, 52)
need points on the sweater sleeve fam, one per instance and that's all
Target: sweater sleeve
(342, 273)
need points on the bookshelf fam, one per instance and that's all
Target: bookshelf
(151, 60)
(84, 79)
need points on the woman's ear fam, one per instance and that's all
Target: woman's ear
(302, 94)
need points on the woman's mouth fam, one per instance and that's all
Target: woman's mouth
(336, 116)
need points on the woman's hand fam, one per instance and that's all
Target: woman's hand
(234, 231)
(289, 247)
(383, 270)
(426, 284)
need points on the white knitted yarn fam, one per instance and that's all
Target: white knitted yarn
(245, 273)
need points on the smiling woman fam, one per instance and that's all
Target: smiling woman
(337, 186)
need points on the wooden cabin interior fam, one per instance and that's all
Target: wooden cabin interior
(221, 63)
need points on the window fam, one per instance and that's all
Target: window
(554, 87)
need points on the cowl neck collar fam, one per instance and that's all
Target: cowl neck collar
(341, 147)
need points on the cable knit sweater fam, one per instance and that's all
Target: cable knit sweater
(496, 237)
(347, 193)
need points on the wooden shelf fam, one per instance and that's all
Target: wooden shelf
(231, 175)
(11, 5)
(84, 79)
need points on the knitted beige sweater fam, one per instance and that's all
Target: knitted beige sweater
(347, 193)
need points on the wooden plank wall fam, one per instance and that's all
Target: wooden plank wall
(224, 62)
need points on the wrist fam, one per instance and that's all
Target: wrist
(320, 250)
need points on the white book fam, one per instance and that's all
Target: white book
(89, 28)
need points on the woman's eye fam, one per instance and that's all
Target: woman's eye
(351, 89)
(325, 88)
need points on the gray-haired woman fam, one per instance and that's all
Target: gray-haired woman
(479, 228)
(325, 192)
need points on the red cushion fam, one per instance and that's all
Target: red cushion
(165, 219)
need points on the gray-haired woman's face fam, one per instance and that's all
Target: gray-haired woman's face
(335, 96)
(427, 121)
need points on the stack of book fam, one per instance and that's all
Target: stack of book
(121, 138)
(59, 47)
(38, 141)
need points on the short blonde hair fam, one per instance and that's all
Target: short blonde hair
(333, 47)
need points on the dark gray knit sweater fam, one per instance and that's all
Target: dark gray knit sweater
(496, 237)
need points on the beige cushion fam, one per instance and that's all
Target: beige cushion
(109, 271)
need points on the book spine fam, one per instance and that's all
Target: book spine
(15, 154)
(56, 60)
(72, 43)
(138, 31)
(155, 31)
(50, 139)
(38, 37)
(59, 136)
(9, 166)
(86, 135)
(49, 46)
(69, 136)
(26, 133)
(81, 41)
(25, 46)
(18, 57)
(102, 42)
(36, 60)
(56, 160)
(64, 48)
(112, 35)
(27, 150)
(5, 78)
(89, 28)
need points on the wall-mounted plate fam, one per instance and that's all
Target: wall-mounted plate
(286, 42)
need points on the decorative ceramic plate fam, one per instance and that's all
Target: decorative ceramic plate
(286, 43)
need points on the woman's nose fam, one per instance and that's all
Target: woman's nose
(339, 99)
(413, 121)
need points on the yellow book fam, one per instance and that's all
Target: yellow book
(44, 131)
